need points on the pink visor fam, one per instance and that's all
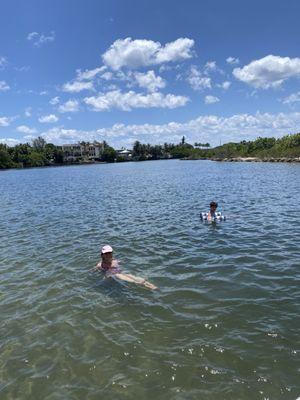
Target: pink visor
(106, 249)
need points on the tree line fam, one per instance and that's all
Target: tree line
(268, 147)
(39, 153)
(263, 148)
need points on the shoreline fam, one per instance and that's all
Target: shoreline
(257, 159)
(57, 165)
(247, 159)
(226, 159)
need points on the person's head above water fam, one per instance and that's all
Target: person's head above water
(107, 254)
(213, 205)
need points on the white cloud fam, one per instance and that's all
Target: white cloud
(210, 66)
(32, 35)
(75, 87)
(5, 121)
(140, 53)
(178, 50)
(38, 39)
(293, 98)
(270, 71)
(165, 68)
(225, 85)
(54, 101)
(149, 81)
(29, 138)
(210, 128)
(89, 74)
(4, 86)
(51, 118)
(197, 81)
(69, 106)
(129, 100)
(107, 76)
(232, 60)
(26, 129)
(211, 99)
(10, 142)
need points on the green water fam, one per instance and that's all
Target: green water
(224, 323)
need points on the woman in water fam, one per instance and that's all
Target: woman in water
(211, 215)
(111, 268)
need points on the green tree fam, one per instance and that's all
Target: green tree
(202, 145)
(39, 144)
(5, 158)
(181, 151)
(36, 159)
(109, 154)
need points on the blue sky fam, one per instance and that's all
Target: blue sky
(152, 71)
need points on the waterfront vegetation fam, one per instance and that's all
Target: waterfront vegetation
(262, 148)
(39, 153)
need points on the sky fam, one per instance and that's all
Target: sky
(154, 71)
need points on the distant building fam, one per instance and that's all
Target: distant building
(125, 154)
(82, 152)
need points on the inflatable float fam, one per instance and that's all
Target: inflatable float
(218, 217)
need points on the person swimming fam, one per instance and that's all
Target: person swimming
(111, 268)
(212, 215)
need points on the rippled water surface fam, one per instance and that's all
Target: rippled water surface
(224, 323)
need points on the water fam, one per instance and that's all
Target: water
(225, 322)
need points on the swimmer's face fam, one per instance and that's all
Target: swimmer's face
(213, 207)
(107, 257)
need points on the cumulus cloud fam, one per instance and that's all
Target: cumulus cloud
(4, 86)
(178, 50)
(69, 106)
(38, 39)
(107, 76)
(225, 85)
(51, 118)
(149, 81)
(210, 66)
(129, 100)
(54, 101)
(209, 128)
(268, 72)
(141, 53)
(197, 81)
(76, 86)
(26, 129)
(211, 99)
(5, 121)
(232, 60)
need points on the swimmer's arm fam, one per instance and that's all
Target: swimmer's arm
(135, 279)
(97, 268)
